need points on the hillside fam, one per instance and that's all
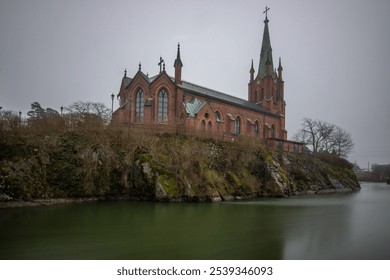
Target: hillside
(113, 164)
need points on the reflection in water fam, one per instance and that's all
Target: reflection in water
(347, 226)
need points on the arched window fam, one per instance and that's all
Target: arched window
(262, 94)
(218, 116)
(256, 128)
(237, 126)
(203, 126)
(209, 127)
(162, 112)
(272, 131)
(139, 106)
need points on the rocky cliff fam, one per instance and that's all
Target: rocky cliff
(119, 165)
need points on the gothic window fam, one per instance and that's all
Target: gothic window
(272, 131)
(256, 128)
(203, 126)
(139, 106)
(162, 112)
(262, 93)
(209, 127)
(237, 126)
(218, 116)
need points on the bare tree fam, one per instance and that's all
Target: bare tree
(325, 132)
(89, 111)
(320, 136)
(8, 120)
(309, 134)
(342, 143)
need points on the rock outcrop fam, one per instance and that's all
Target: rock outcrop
(170, 168)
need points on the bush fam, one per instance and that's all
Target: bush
(334, 160)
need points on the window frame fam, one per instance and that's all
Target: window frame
(139, 106)
(237, 125)
(162, 106)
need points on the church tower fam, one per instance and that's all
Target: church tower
(267, 88)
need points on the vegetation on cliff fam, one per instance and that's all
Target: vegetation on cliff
(96, 161)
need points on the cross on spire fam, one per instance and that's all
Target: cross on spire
(161, 63)
(265, 12)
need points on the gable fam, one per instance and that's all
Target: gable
(139, 78)
(193, 107)
(161, 78)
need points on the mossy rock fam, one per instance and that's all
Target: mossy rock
(169, 185)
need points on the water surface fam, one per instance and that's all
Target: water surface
(337, 226)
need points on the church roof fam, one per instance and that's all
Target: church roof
(126, 81)
(223, 97)
(154, 77)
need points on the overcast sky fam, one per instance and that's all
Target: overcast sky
(335, 55)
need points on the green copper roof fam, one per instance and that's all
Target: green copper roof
(266, 52)
(193, 106)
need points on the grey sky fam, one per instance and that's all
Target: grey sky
(335, 55)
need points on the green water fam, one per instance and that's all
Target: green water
(345, 226)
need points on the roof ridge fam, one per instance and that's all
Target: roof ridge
(214, 90)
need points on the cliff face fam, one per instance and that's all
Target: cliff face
(118, 165)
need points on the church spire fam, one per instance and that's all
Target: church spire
(280, 69)
(252, 72)
(178, 65)
(266, 60)
(178, 60)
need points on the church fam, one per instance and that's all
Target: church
(170, 104)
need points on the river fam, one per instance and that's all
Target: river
(336, 226)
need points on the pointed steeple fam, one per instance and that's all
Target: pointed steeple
(178, 60)
(178, 65)
(266, 51)
(252, 72)
(280, 68)
(280, 64)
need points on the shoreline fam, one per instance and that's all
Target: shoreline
(63, 201)
(46, 202)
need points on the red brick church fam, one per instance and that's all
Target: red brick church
(165, 103)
